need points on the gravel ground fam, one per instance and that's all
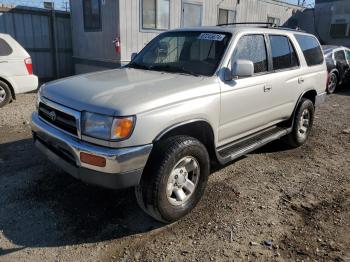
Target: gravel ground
(274, 204)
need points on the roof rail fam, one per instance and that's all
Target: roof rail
(249, 23)
(263, 24)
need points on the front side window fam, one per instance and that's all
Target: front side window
(283, 53)
(311, 49)
(155, 14)
(188, 52)
(340, 56)
(252, 48)
(92, 15)
(226, 16)
(5, 49)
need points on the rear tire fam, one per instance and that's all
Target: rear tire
(332, 83)
(174, 178)
(303, 121)
(5, 94)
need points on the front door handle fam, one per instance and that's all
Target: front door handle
(267, 88)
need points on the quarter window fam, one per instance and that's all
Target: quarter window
(5, 49)
(253, 48)
(226, 16)
(155, 14)
(92, 15)
(311, 49)
(283, 53)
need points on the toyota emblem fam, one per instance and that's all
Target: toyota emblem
(52, 115)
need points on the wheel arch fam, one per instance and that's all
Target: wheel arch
(13, 94)
(196, 128)
(308, 94)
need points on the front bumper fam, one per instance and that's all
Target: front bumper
(124, 166)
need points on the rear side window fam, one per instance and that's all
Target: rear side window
(5, 49)
(283, 53)
(253, 48)
(311, 49)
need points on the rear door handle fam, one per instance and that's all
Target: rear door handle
(267, 88)
(301, 80)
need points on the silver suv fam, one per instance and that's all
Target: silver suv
(189, 98)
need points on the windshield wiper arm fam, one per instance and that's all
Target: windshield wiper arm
(172, 69)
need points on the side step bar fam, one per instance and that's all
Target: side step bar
(250, 143)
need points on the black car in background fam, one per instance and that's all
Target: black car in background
(338, 66)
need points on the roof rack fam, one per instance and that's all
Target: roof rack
(263, 24)
(249, 23)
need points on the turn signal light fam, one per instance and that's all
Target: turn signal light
(92, 159)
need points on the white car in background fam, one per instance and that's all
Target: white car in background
(16, 70)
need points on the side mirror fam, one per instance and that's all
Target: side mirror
(133, 55)
(242, 68)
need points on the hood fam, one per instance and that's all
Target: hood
(123, 92)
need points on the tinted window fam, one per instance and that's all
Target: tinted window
(5, 49)
(92, 15)
(253, 48)
(311, 49)
(283, 54)
(340, 56)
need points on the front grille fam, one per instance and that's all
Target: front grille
(58, 118)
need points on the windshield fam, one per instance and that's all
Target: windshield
(189, 52)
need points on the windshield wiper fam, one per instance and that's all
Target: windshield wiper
(138, 66)
(172, 69)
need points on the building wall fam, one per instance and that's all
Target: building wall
(96, 46)
(318, 20)
(95, 49)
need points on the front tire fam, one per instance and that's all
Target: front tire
(5, 94)
(332, 83)
(302, 124)
(174, 178)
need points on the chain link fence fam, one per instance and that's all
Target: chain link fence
(62, 5)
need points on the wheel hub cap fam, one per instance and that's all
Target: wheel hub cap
(183, 180)
(304, 123)
(2, 94)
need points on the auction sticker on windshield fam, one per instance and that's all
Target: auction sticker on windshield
(211, 36)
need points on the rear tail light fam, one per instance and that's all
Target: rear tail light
(29, 65)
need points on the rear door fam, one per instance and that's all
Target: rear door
(285, 78)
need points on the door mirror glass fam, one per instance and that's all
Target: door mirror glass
(133, 55)
(242, 68)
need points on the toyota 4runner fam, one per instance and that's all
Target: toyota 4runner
(189, 98)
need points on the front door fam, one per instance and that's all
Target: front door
(246, 102)
(191, 14)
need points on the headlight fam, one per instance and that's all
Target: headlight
(107, 127)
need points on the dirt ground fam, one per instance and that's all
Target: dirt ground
(272, 205)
